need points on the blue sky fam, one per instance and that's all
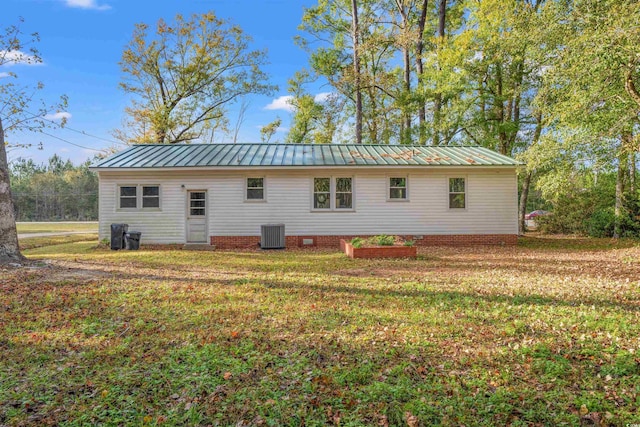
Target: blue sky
(82, 42)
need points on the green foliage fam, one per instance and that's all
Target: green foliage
(601, 223)
(587, 208)
(383, 240)
(185, 76)
(357, 242)
(267, 131)
(409, 243)
(54, 191)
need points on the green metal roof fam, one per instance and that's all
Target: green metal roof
(144, 156)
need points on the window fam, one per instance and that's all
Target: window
(457, 193)
(150, 196)
(344, 193)
(139, 196)
(128, 197)
(197, 203)
(255, 188)
(322, 193)
(398, 188)
(333, 193)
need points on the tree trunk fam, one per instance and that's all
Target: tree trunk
(9, 249)
(356, 69)
(622, 160)
(526, 184)
(524, 195)
(617, 229)
(422, 110)
(632, 172)
(437, 106)
(407, 87)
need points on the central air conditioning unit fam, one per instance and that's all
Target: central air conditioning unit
(272, 236)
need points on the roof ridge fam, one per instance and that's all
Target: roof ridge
(307, 145)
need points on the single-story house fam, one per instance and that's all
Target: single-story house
(221, 194)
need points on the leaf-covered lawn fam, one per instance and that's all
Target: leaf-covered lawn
(546, 333)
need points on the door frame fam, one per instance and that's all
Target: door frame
(187, 215)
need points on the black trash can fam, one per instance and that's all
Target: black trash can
(133, 240)
(117, 236)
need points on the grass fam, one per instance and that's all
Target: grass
(541, 334)
(54, 227)
(41, 242)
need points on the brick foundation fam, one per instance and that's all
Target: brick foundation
(250, 242)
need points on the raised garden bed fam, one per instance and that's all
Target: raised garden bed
(368, 250)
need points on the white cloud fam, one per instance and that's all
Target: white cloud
(282, 129)
(3, 75)
(87, 4)
(281, 103)
(13, 57)
(284, 102)
(58, 116)
(322, 96)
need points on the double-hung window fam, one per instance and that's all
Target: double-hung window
(344, 193)
(150, 196)
(255, 189)
(132, 197)
(398, 188)
(128, 197)
(457, 193)
(322, 193)
(333, 193)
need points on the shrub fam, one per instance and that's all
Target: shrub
(409, 242)
(568, 217)
(601, 223)
(578, 214)
(383, 240)
(357, 242)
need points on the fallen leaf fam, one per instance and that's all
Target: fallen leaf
(412, 420)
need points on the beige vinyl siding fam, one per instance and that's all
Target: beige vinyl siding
(491, 204)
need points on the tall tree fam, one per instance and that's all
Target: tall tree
(185, 75)
(437, 103)
(410, 22)
(355, 37)
(16, 103)
(351, 48)
(267, 131)
(594, 80)
(422, 21)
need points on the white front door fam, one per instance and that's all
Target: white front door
(197, 216)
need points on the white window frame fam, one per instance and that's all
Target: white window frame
(313, 193)
(466, 193)
(119, 197)
(332, 194)
(406, 187)
(205, 207)
(139, 198)
(264, 189)
(142, 197)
